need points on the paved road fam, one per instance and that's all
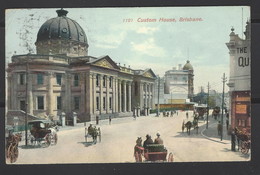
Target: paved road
(118, 140)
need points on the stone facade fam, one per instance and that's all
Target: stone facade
(239, 80)
(62, 78)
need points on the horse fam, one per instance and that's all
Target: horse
(188, 125)
(138, 150)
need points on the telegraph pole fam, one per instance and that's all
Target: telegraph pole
(224, 79)
(208, 108)
(158, 96)
(26, 103)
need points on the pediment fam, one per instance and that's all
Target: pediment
(105, 62)
(149, 74)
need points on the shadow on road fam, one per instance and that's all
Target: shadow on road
(30, 146)
(87, 144)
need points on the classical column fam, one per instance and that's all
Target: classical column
(94, 106)
(119, 96)
(30, 95)
(89, 93)
(116, 95)
(129, 96)
(67, 105)
(107, 94)
(49, 104)
(113, 95)
(141, 95)
(101, 94)
(124, 95)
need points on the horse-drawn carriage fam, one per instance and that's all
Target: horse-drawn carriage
(189, 124)
(244, 140)
(151, 153)
(215, 112)
(92, 133)
(42, 133)
(11, 145)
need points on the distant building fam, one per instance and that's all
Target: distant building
(62, 79)
(176, 87)
(239, 80)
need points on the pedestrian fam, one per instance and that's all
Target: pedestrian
(158, 140)
(219, 128)
(187, 115)
(97, 120)
(227, 123)
(233, 141)
(110, 119)
(177, 113)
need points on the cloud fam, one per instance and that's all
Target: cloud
(110, 40)
(149, 47)
(147, 30)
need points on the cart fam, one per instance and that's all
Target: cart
(43, 133)
(92, 134)
(153, 153)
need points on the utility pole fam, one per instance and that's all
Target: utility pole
(171, 100)
(208, 108)
(158, 96)
(26, 103)
(224, 79)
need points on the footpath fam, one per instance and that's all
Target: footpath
(212, 132)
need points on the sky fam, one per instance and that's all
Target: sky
(119, 33)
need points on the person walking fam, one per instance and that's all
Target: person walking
(110, 119)
(97, 120)
(187, 115)
(219, 128)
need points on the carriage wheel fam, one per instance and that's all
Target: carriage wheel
(14, 153)
(99, 136)
(55, 139)
(244, 148)
(170, 157)
(9, 152)
(46, 142)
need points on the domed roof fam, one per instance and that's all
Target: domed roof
(61, 27)
(187, 66)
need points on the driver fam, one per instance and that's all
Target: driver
(147, 141)
(90, 129)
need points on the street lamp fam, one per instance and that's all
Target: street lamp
(223, 95)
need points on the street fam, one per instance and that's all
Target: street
(118, 141)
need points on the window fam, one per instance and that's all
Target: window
(97, 102)
(110, 102)
(40, 78)
(76, 103)
(104, 81)
(22, 79)
(58, 79)
(104, 102)
(22, 105)
(76, 80)
(58, 102)
(40, 102)
(97, 80)
(110, 82)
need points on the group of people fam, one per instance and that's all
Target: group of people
(166, 114)
(149, 140)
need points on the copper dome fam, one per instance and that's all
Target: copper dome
(61, 27)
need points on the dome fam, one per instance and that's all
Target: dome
(187, 66)
(61, 27)
(62, 36)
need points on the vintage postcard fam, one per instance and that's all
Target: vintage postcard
(128, 85)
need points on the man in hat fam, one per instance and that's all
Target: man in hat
(158, 140)
(147, 141)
